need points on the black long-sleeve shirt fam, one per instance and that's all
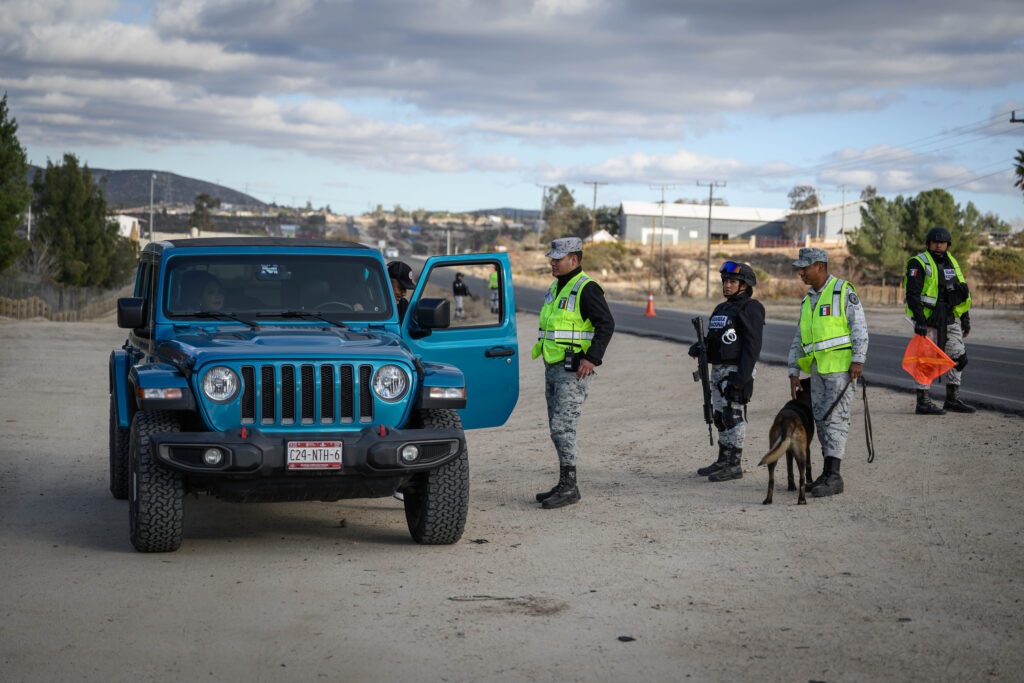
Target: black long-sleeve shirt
(593, 307)
(750, 321)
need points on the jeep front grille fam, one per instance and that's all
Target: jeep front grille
(323, 393)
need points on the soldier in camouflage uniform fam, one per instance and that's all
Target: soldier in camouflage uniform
(831, 344)
(733, 344)
(575, 328)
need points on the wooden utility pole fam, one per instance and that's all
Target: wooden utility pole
(661, 274)
(593, 216)
(711, 200)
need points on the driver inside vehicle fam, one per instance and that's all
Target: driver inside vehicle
(202, 291)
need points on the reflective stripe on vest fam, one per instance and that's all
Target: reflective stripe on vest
(825, 338)
(930, 286)
(563, 326)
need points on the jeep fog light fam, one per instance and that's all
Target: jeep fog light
(220, 384)
(390, 383)
(410, 453)
(448, 392)
(213, 456)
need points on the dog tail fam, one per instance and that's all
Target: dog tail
(782, 442)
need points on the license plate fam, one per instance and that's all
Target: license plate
(314, 455)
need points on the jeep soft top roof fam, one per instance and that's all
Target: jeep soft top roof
(260, 242)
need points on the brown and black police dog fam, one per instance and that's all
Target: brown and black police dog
(792, 433)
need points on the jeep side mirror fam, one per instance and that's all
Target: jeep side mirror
(434, 313)
(131, 312)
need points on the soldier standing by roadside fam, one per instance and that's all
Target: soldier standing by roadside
(734, 345)
(575, 328)
(492, 285)
(938, 303)
(459, 291)
(831, 344)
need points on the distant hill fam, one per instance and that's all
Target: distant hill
(127, 189)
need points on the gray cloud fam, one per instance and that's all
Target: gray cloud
(282, 74)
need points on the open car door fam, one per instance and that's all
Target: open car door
(481, 338)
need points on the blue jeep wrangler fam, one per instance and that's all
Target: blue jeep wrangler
(261, 369)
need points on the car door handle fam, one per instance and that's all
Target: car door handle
(499, 352)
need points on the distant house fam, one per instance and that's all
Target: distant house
(128, 226)
(601, 235)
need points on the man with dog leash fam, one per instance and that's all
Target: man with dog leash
(938, 303)
(831, 344)
(575, 328)
(733, 345)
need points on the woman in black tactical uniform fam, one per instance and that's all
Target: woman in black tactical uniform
(734, 345)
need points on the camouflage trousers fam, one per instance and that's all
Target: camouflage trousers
(728, 414)
(565, 396)
(825, 388)
(954, 349)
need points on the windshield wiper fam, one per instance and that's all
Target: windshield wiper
(311, 314)
(227, 316)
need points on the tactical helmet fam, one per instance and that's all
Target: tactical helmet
(731, 270)
(938, 234)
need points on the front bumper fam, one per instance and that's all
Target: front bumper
(370, 452)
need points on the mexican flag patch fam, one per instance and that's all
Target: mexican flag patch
(825, 310)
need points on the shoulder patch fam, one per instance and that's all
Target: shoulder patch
(853, 298)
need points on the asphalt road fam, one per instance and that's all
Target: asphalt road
(994, 373)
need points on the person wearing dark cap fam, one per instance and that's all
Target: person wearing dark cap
(939, 303)
(459, 292)
(401, 284)
(575, 328)
(831, 345)
(733, 342)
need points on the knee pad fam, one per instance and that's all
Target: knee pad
(719, 423)
(732, 417)
(961, 362)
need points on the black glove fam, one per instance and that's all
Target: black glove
(694, 349)
(921, 329)
(965, 324)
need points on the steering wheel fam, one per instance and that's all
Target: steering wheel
(341, 305)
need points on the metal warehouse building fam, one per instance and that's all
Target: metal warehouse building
(688, 223)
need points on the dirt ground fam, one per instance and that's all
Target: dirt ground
(916, 572)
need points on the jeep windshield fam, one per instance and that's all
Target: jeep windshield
(285, 286)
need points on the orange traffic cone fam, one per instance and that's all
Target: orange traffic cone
(650, 304)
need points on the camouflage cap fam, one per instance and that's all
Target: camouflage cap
(809, 255)
(564, 246)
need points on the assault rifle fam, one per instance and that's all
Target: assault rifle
(702, 375)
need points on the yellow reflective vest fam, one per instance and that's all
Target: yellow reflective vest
(930, 288)
(825, 331)
(561, 324)
(493, 283)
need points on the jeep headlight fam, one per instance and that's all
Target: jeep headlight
(390, 383)
(220, 384)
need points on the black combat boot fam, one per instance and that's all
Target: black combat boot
(566, 493)
(716, 465)
(822, 476)
(732, 468)
(953, 401)
(925, 405)
(541, 497)
(833, 483)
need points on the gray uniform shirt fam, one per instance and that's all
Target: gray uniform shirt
(854, 316)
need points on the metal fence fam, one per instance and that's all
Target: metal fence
(22, 299)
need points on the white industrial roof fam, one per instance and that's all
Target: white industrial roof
(725, 213)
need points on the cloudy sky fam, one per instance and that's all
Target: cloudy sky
(452, 104)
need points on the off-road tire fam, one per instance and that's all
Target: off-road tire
(156, 495)
(119, 442)
(437, 501)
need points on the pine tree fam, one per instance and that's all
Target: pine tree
(14, 191)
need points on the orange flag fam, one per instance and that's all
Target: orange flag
(924, 360)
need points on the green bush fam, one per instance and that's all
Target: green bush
(613, 256)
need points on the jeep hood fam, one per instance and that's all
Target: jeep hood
(198, 346)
